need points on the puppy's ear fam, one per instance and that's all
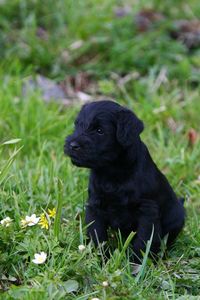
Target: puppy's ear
(129, 127)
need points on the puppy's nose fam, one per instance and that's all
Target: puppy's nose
(74, 146)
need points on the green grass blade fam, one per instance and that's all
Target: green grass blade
(125, 246)
(58, 209)
(141, 273)
(6, 167)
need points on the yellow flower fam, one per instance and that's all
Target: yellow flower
(43, 221)
(52, 212)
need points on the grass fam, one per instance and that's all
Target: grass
(36, 176)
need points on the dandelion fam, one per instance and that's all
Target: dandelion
(39, 258)
(81, 248)
(105, 283)
(43, 221)
(6, 221)
(30, 220)
(52, 212)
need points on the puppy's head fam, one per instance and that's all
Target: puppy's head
(103, 131)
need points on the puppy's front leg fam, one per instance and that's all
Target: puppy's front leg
(149, 218)
(97, 229)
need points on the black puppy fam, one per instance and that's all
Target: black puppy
(126, 189)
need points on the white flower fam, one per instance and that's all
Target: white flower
(105, 283)
(6, 222)
(39, 258)
(30, 220)
(23, 223)
(95, 299)
(81, 248)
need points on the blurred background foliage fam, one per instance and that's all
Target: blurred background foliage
(65, 37)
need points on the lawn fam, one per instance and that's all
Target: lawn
(94, 50)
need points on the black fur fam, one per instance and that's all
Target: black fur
(126, 189)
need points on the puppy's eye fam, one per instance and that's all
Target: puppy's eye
(100, 130)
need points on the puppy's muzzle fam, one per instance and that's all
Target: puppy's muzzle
(74, 146)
